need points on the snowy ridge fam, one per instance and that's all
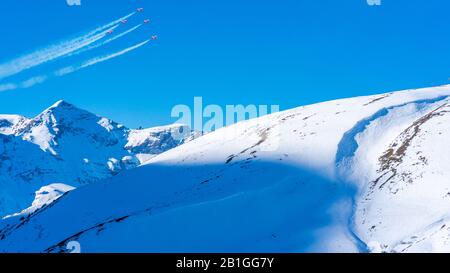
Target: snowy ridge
(351, 175)
(9, 122)
(44, 196)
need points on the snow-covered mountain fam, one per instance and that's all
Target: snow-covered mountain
(352, 175)
(9, 122)
(65, 144)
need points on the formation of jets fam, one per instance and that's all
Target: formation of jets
(147, 21)
(125, 21)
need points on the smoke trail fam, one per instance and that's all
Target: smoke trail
(33, 81)
(25, 84)
(94, 46)
(69, 69)
(8, 86)
(113, 23)
(55, 51)
(117, 36)
(96, 60)
(111, 56)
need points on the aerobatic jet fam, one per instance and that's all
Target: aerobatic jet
(146, 21)
(124, 21)
(110, 31)
(154, 37)
(140, 9)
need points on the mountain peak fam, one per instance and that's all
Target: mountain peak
(60, 115)
(61, 104)
(63, 110)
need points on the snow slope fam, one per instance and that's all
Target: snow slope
(352, 175)
(65, 144)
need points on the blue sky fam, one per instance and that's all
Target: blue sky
(289, 52)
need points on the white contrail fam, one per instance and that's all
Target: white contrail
(8, 86)
(111, 56)
(111, 24)
(25, 84)
(69, 69)
(105, 42)
(33, 81)
(118, 36)
(96, 60)
(55, 51)
(45, 55)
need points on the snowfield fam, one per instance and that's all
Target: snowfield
(365, 174)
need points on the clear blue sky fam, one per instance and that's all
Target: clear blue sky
(288, 52)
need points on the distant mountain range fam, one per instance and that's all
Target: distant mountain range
(65, 144)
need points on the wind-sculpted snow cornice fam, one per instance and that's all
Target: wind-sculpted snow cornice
(348, 144)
